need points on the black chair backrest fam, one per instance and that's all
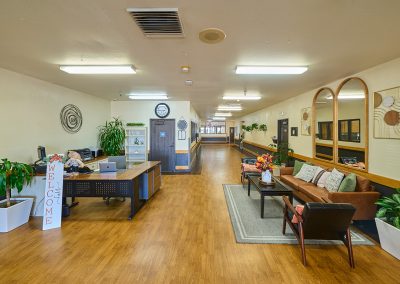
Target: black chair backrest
(326, 221)
(250, 161)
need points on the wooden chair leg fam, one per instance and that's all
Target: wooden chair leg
(350, 248)
(284, 225)
(303, 249)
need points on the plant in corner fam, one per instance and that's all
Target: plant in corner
(390, 209)
(14, 212)
(112, 137)
(281, 156)
(388, 223)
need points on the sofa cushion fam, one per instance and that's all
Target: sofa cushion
(333, 181)
(322, 180)
(297, 167)
(299, 209)
(363, 184)
(317, 175)
(314, 192)
(306, 173)
(348, 184)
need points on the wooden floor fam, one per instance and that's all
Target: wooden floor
(183, 235)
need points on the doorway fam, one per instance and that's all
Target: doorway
(162, 143)
(231, 135)
(283, 131)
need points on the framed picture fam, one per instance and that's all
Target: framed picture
(387, 114)
(306, 121)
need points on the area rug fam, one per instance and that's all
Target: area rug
(250, 228)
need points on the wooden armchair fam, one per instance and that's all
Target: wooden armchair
(325, 221)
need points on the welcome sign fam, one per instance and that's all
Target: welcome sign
(53, 194)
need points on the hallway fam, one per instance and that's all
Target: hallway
(183, 235)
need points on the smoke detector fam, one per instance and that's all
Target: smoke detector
(212, 35)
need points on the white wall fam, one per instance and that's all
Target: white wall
(29, 116)
(196, 119)
(143, 111)
(384, 154)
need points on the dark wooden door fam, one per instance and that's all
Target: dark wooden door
(283, 131)
(162, 143)
(232, 135)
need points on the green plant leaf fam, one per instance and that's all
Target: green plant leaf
(381, 213)
(396, 222)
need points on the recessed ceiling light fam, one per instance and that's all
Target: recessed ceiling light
(242, 98)
(223, 114)
(188, 82)
(229, 108)
(185, 69)
(218, 118)
(142, 96)
(257, 70)
(98, 69)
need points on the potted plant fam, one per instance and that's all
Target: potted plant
(112, 137)
(281, 156)
(388, 223)
(14, 212)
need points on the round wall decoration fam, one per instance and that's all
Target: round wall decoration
(162, 110)
(71, 118)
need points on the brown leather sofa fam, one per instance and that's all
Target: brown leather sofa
(363, 198)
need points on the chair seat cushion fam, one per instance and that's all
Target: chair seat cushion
(247, 168)
(299, 209)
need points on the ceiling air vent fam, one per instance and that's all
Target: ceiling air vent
(158, 22)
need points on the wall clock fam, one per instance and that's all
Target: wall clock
(162, 110)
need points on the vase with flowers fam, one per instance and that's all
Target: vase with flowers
(264, 163)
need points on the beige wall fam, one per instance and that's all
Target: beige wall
(384, 154)
(29, 116)
(143, 111)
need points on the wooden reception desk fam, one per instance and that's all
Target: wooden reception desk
(138, 182)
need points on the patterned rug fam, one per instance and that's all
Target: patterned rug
(250, 228)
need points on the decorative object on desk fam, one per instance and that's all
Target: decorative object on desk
(71, 118)
(387, 113)
(53, 193)
(182, 126)
(388, 223)
(162, 110)
(306, 121)
(14, 212)
(112, 137)
(264, 163)
(74, 162)
(281, 156)
(293, 131)
(135, 124)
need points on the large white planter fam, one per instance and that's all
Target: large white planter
(389, 237)
(16, 215)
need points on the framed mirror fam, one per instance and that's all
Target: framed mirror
(323, 126)
(352, 124)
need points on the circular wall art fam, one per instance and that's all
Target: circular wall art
(71, 118)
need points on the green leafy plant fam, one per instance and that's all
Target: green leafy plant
(390, 208)
(262, 127)
(139, 124)
(13, 175)
(112, 137)
(282, 153)
(254, 126)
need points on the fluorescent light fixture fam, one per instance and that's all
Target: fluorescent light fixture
(98, 69)
(223, 114)
(270, 70)
(348, 97)
(229, 108)
(148, 96)
(218, 118)
(242, 98)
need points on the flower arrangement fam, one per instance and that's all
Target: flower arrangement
(264, 162)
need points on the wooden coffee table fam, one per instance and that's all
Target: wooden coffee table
(280, 189)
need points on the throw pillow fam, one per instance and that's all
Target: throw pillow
(348, 184)
(317, 175)
(306, 173)
(333, 181)
(299, 209)
(322, 179)
(297, 167)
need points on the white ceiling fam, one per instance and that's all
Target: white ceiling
(334, 38)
